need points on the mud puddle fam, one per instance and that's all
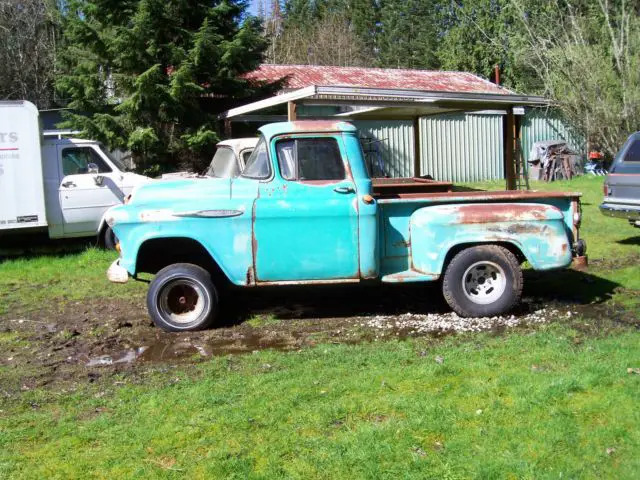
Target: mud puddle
(79, 340)
(177, 348)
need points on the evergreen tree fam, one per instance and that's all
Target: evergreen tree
(303, 13)
(364, 17)
(476, 37)
(151, 75)
(408, 35)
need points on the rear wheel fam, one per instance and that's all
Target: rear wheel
(182, 297)
(483, 281)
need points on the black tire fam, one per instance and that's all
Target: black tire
(182, 297)
(483, 281)
(109, 239)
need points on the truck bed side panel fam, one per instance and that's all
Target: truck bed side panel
(397, 242)
(537, 230)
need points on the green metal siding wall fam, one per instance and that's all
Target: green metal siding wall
(462, 147)
(546, 124)
(395, 141)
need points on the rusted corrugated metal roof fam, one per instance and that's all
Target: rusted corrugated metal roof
(300, 76)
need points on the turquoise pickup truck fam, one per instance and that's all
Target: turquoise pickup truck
(305, 211)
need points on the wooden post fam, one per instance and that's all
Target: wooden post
(291, 111)
(509, 164)
(416, 147)
(228, 131)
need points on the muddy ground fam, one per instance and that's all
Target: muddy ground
(87, 340)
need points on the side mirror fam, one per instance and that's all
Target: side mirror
(93, 169)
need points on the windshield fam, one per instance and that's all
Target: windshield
(224, 164)
(118, 163)
(258, 166)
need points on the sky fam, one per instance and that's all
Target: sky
(254, 7)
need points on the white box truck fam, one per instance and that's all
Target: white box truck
(63, 185)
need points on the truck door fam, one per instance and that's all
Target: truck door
(306, 218)
(83, 198)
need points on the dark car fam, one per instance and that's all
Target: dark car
(622, 185)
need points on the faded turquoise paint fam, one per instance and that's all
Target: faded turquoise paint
(368, 212)
(394, 237)
(537, 230)
(150, 216)
(276, 230)
(306, 230)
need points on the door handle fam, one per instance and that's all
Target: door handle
(344, 190)
(69, 184)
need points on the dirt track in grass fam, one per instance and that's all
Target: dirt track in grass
(81, 341)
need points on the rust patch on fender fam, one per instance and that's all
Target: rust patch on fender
(250, 279)
(512, 212)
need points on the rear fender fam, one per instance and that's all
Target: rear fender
(537, 230)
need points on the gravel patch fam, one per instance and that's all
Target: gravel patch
(451, 322)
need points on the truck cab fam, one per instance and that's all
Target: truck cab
(81, 182)
(62, 186)
(305, 211)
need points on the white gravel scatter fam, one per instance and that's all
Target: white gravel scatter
(451, 322)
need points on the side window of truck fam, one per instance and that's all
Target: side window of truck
(629, 162)
(308, 159)
(633, 153)
(75, 161)
(258, 166)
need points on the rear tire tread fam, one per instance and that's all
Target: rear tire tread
(451, 283)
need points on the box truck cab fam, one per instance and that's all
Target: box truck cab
(62, 185)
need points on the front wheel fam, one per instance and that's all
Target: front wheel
(109, 239)
(182, 297)
(483, 281)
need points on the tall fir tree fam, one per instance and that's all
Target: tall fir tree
(151, 75)
(364, 17)
(408, 36)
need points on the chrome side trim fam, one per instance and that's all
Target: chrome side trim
(210, 214)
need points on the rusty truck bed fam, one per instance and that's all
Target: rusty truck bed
(390, 190)
(395, 186)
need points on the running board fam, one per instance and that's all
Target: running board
(409, 276)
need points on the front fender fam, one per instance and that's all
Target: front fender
(224, 233)
(537, 230)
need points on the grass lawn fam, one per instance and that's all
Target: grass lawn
(544, 404)
(548, 401)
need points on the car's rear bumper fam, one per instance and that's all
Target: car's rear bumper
(621, 210)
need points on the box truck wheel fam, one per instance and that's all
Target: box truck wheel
(483, 281)
(182, 297)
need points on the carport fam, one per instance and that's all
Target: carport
(386, 94)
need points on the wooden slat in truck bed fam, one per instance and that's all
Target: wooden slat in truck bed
(395, 186)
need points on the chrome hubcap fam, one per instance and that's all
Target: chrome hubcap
(484, 282)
